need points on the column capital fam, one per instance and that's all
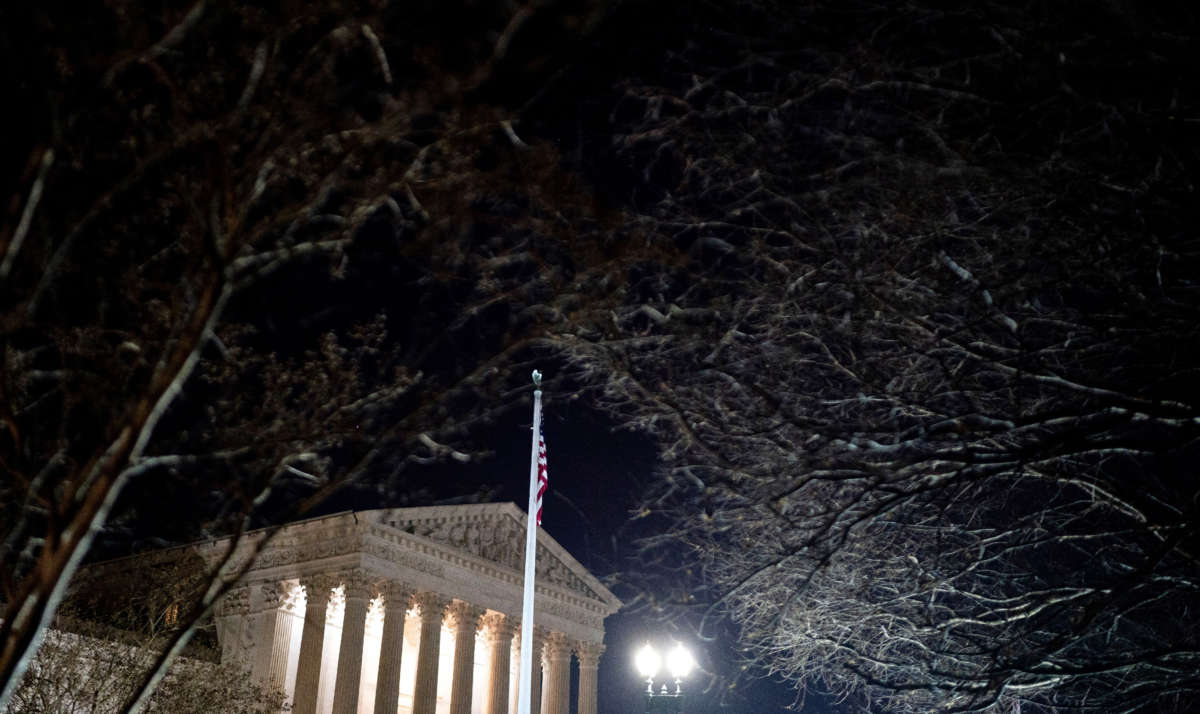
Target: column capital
(464, 614)
(397, 597)
(498, 625)
(539, 639)
(357, 585)
(318, 582)
(589, 653)
(431, 602)
(295, 597)
(558, 646)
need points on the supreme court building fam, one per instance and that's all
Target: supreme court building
(408, 610)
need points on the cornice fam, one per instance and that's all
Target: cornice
(414, 520)
(433, 557)
(447, 548)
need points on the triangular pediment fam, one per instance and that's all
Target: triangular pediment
(496, 533)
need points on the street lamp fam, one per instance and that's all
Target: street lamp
(648, 662)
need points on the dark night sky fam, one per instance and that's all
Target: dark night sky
(597, 472)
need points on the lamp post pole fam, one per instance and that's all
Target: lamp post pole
(664, 702)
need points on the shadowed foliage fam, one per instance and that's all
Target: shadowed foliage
(924, 374)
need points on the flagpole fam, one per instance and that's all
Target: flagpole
(525, 674)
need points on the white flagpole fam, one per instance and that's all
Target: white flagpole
(525, 675)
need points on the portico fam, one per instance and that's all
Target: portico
(411, 610)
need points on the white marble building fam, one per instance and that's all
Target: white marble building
(408, 610)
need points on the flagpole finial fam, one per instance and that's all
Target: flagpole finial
(537, 379)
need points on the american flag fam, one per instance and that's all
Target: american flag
(543, 476)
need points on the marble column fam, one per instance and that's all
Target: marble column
(317, 589)
(354, 625)
(499, 638)
(232, 617)
(535, 690)
(286, 632)
(556, 689)
(273, 635)
(425, 687)
(465, 617)
(535, 683)
(514, 669)
(589, 661)
(396, 599)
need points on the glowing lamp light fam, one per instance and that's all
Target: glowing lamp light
(680, 662)
(647, 661)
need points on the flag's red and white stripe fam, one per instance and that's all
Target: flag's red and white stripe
(543, 477)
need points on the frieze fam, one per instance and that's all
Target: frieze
(498, 539)
(495, 540)
(272, 596)
(235, 601)
(393, 554)
(275, 556)
(567, 612)
(553, 570)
